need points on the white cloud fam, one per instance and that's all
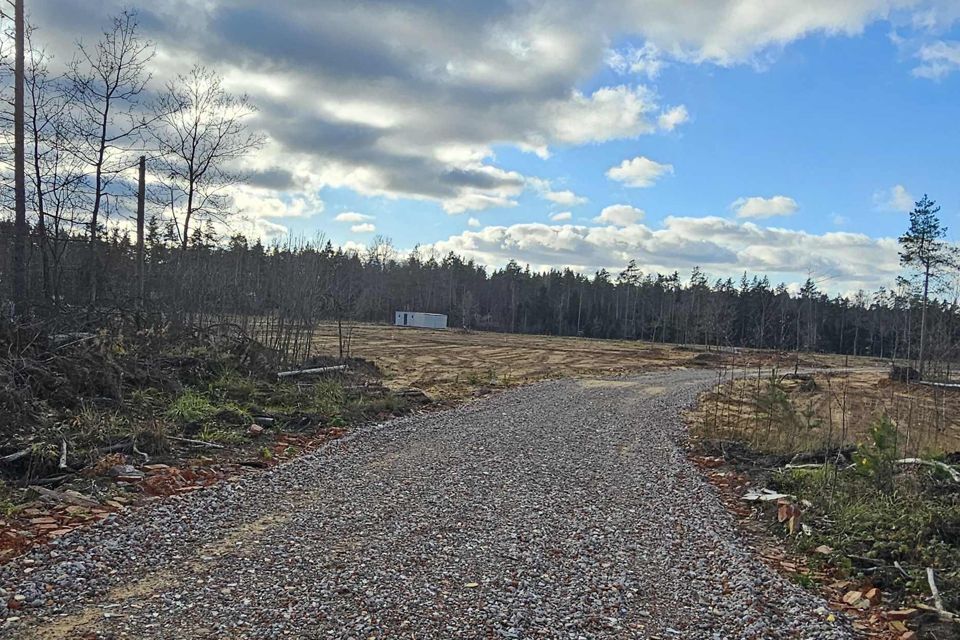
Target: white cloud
(412, 108)
(561, 216)
(610, 113)
(352, 246)
(647, 60)
(938, 59)
(261, 203)
(482, 186)
(620, 215)
(546, 191)
(896, 198)
(728, 32)
(352, 216)
(720, 246)
(672, 118)
(759, 207)
(473, 222)
(566, 197)
(841, 221)
(365, 227)
(639, 172)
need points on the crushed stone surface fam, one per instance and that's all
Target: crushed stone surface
(564, 509)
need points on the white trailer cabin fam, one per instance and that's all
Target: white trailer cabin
(420, 319)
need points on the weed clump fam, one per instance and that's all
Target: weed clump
(190, 407)
(893, 534)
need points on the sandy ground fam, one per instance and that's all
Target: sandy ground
(454, 364)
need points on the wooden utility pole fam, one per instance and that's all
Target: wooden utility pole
(20, 187)
(141, 198)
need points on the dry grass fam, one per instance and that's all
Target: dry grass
(454, 364)
(838, 411)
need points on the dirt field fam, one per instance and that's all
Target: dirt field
(453, 364)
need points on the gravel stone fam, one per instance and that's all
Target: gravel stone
(564, 509)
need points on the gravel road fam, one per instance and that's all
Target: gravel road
(560, 510)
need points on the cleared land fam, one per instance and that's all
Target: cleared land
(454, 364)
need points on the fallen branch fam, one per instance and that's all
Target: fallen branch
(866, 560)
(896, 563)
(311, 372)
(13, 457)
(65, 340)
(937, 600)
(944, 615)
(120, 446)
(203, 443)
(764, 495)
(146, 458)
(954, 475)
(53, 479)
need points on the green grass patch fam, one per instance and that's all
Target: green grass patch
(190, 407)
(872, 523)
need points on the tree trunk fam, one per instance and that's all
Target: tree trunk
(923, 319)
(20, 186)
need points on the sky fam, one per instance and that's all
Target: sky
(779, 137)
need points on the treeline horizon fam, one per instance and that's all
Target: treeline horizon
(308, 282)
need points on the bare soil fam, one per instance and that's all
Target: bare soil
(453, 364)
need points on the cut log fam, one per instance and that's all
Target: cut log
(939, 385)
(311, 372)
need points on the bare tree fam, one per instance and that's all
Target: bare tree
(56, 174)
(7, 73)
(108, 80)
(201, 133)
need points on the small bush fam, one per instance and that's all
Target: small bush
(190, 407)
(875, 460)
(328, 398)
(230, 385)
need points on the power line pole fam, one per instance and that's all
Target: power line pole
(141, 193)
(20, 188)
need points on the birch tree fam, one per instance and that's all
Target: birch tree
(201, 134)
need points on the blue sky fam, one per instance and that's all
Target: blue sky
(780, 138)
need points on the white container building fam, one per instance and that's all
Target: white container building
(420, 319)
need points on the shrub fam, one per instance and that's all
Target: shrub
(190, 407)
(876, 459)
